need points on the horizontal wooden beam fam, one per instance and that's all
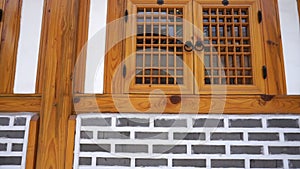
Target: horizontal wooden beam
(235, 104)
(20, 103)
(156, 104)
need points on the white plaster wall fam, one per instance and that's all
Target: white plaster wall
(291, 43)
(29, 43)
(96, 47)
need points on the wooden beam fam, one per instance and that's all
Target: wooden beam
(56, 104)
(20, 103)
(235, 104)
(32, 142)
(9, 44)
(71, 141)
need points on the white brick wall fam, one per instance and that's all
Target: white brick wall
(187, 141)
(14, 130)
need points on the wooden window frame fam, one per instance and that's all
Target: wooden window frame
(129, 83)
(258, 86)
(276, 75)
(273, 52)
(242, 104)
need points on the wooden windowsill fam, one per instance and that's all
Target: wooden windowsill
(202, 104)
(20, 102)
(174, 104)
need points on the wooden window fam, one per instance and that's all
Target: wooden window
(229, 59)
(155, 52)
(233, 54)
(225, 47)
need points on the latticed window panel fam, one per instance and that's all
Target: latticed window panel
(227, 55)
(194, 46)
(159, 46)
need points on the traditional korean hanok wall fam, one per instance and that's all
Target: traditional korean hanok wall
(14, 131)
(187, 141)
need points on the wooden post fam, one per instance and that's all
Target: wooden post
(82, 38)
(71, 141)
(32, 142)
(115, 52)
(273, 48)
(56, 106)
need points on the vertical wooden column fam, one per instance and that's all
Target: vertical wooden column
(42, 52)
(59, 56)
(2, 6)
(32, 142)
(114, 47)
(71, 142)
(273, 48)
(10, 29)
(298, 1)
(82, 35)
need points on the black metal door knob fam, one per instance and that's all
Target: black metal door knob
(188, 46)
(199, 46)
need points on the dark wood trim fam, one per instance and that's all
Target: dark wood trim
(202, 104)
(20, 103)
(56, 104)
(9, 44)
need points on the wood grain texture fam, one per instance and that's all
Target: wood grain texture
(298, 1)
(57, 86)
(2, 6)
(70, 141)
(9, 44)
(43, 48)
(203, 104)
(114, 46)
(273, 48)
(82, 34)
(32, 142)
(20, 103)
